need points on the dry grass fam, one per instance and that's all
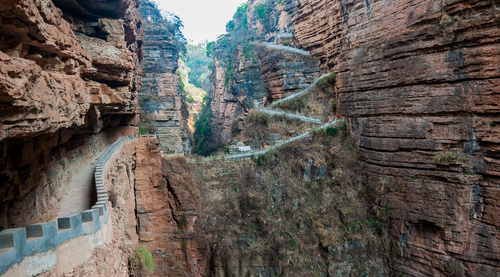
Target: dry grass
(259, 126)
(265, 212)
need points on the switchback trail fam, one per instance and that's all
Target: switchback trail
(335, 123)
(291, 115)
(288, 98)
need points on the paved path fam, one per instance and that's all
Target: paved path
(78, 198)
(336, 123)
(291, 115)
(284, 48)
(300, 92)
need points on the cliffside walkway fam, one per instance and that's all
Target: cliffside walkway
(285, 48)
(291, 115)
(78, 198)
(335, 123)
(81, 230)
(290, 97)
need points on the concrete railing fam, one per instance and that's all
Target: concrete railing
(335, 123)
(285, 48)
(290, 97)
(291, 115)
(18, 243)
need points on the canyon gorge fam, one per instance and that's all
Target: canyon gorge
(313, 138)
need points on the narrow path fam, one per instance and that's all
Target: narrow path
(78, 198)
(288, 98)
(284, 48)
(335, 123)
(291, 115)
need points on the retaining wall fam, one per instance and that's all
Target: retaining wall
(34, 247)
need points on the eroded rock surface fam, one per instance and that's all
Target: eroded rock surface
(418, 82)
(160, 97)
(69, 81)
(167, 205)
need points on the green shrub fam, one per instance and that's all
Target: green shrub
(142, 262)
(331, 131)
(297, 104)
(292, 244)
(334, 106)
(210, 48)
(146, 128)
(248, 51)
(229, 75)
(230, 26)
(332, 77)
(326, 82)
(204, 142)
(378, 227)
(262, 13)
(448, 156)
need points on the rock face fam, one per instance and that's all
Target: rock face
(418, 81)
(299, 211)
(160, 96)
(167, 211)
(255, 63)
(69, 81)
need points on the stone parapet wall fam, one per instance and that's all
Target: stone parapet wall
(34, 247)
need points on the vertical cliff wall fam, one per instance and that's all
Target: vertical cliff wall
(161, 100)
(167, 209)
(69, 80)
(418, 82)
(255, 63)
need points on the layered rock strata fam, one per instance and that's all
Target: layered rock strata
(257, 63)
(69, 79)
(418, 82)
(160, 96)
(167, 205)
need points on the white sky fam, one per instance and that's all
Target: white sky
(203, 19)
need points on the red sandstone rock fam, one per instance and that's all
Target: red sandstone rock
(167, 211)
(416, 78)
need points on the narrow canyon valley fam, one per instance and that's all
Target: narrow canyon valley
(312, 138)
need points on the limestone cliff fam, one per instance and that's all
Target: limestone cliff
(167, 209)
(256, 62)
(69, 80)
(417, 82)
(160, 97)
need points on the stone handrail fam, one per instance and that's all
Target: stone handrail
(285, 48)
(16, 244)
(291, 115)
(337, 122)
(290, 97)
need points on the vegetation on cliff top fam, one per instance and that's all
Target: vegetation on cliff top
(224, 50)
